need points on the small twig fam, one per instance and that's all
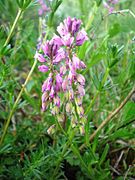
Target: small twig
(115, 171)
(111, 115)
(126, 174)
(119, 159)
(16, 102)
(20, 11)
(116, 111)
(121, 12)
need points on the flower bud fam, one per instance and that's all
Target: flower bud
(69, 107)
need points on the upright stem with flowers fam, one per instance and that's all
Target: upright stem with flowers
(62, 66)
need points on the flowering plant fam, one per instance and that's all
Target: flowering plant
(58, 57)
(109, 4)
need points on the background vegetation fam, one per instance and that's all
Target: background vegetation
(28, 151)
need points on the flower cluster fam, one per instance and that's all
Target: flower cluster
(43, 8)
(61, 63)
(110, 5)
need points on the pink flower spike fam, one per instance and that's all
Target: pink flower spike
(43, 68)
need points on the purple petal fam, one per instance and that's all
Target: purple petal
(40, 57)
(76, 62)
(67, 40)
(63, 70)
(68, 24)
(43, 68)
(57, 40)
(56, 100)
(81, 79)
(62, 30)
(52, 93)
(81, 37)
(81, 90)
(75, 26)
(59, 56)
(65, 84)
(82, 65)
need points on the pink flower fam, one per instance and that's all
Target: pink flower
(52, 92)
(75, 25)
(43, 68)
(63, 70)
(59, 81)
(56, 100)
(62, 30)
(76, 62)
(82, 65)
(68, 24)
(40, 57)
(81, 79)
(43, 8)
(57, 40)
(81, 90)
(59, 56)
(47, 84)
(81, 37)
(67, 40)
(65, 84)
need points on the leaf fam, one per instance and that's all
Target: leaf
(114, 30)
(104, 154)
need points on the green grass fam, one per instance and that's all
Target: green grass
(27, 151)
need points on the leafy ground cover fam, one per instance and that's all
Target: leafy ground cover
(94, 139)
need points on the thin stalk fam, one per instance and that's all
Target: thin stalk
(13, 26)
(16, 102)
(74, 149)
(92, 103)
(111, 115)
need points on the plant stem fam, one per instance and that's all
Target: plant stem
(111, 115)
(16, 102)
(92, 102)
(73, 147)
(13, 26)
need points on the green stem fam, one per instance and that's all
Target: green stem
(92, 102)
(16, 102)
(73, 147)
(13, 26)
